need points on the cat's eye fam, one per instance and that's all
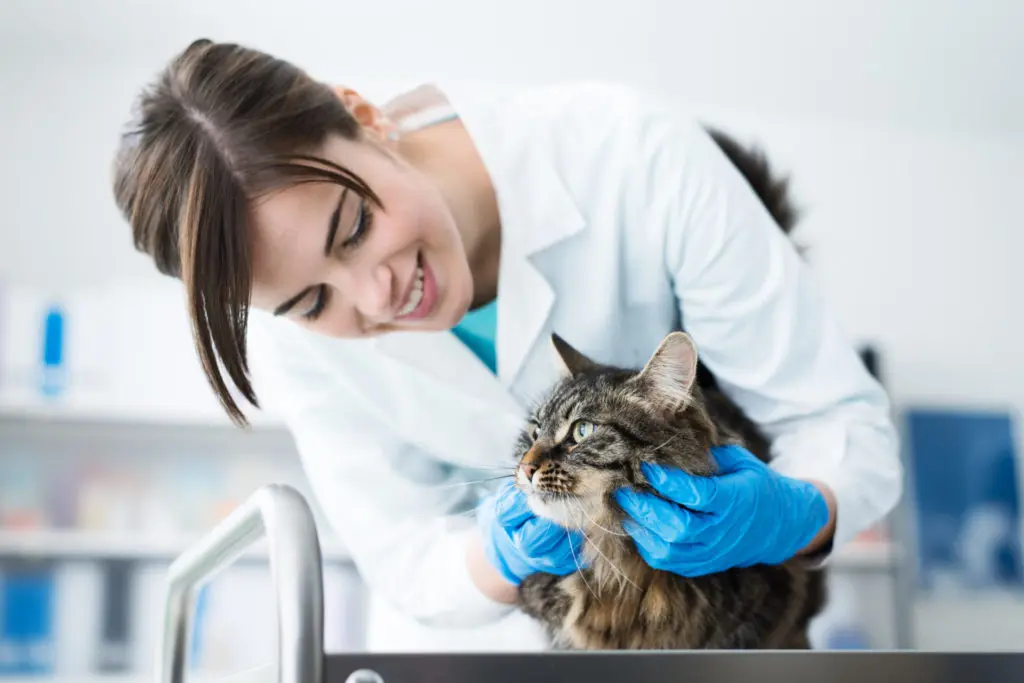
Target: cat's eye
(534, 432)
(581, 429)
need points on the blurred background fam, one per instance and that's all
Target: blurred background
(902, 124)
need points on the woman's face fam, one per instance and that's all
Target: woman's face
(340, 266)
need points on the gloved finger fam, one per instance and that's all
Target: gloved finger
(511, 507)
(662, 517)
(726, 544)
(695, 569)
(688, 568)
(732, 458)
(659, 554)
(538, 536)
(694, 492)
(569, 556)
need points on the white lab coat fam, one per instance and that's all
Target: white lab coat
(621, 221)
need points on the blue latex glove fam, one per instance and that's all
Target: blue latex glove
(519, 543)
(745, 515)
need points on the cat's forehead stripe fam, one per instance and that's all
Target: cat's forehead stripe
(563, 431)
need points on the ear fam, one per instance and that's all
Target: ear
(670, 372)
(571, 362)
(365, 113)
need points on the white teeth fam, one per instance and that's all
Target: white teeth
(415, 296)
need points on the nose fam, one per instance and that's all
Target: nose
(528, 470)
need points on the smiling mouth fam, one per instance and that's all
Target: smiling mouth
(422, 297)
(415, 294)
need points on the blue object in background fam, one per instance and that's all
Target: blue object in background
(967, 504)
(26, 619)
(848, 637)
(53, 372)
(195, 652)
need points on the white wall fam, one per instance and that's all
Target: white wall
(903, 125)
(901, 144)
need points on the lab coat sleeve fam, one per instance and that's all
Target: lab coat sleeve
(407, 545)
(761, 327)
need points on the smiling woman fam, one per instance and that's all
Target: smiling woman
(290, 196)
(192, 143)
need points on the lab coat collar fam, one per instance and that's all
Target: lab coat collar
(537, 213)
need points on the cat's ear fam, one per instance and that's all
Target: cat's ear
(570, 361)
(671, 371)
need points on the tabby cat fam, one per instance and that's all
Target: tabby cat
(589, 437)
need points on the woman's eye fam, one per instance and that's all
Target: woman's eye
(318, 304)
(581, 429)
(363, 222)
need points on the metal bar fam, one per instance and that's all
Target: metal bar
(280, 513)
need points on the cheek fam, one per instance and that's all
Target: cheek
(338, 321)
(596, 483)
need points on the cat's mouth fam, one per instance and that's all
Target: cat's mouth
(546, 480)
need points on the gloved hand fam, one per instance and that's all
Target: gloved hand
(519, 543)
(747, 514)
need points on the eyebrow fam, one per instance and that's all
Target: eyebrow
(332, 230)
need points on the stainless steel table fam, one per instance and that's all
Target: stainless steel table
(281, 515)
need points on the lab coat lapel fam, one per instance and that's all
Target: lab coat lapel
(453, 369)
(538, 215)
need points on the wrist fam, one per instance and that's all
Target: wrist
(486, 577)
(823, 539)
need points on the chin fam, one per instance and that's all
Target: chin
(559, 509)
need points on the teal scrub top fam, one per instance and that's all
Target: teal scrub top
(476, 330)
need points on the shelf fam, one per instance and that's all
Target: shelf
(85, 678)
(100, 545)
(259, 674)
(97, 409)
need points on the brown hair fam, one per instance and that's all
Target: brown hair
(221, 126)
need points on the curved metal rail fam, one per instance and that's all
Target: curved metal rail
(279, 513)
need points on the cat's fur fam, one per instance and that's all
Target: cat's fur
(670, 413)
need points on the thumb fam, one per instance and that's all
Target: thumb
(681, 487)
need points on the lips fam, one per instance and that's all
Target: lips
(415, 294)
(422, 295)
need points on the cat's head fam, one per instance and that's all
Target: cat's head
(597, 425)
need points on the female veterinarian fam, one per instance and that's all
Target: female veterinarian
(389, 279)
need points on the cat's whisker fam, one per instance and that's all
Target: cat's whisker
(591, 520)
(453, 484)
(667, 441)
(568, 499)
(491, 468)
(579, 569)
(610, 563)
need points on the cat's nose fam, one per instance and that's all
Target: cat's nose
(528, 470)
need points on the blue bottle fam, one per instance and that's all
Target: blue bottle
(53, 369)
